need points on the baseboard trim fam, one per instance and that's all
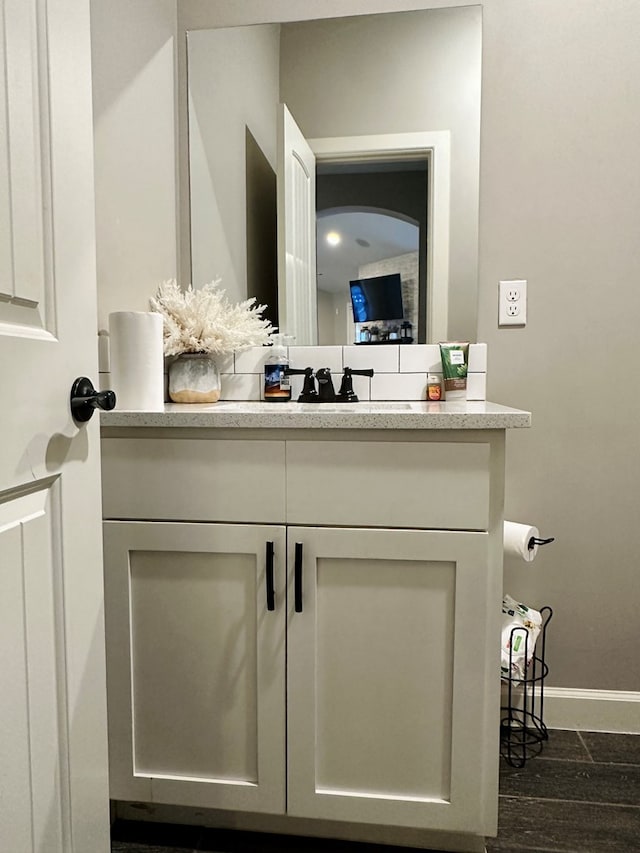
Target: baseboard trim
(592, 710)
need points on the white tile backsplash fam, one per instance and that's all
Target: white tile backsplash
(316, 357)
(401, 386)
(241, 386)
(419, 358)
(361, 386)
(383, 359)
(400, 370)
(476, 386)
(225, 364)
(478, 358)
(251, 360)
(296, 387)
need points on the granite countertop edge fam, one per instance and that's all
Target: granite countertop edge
(363, 415)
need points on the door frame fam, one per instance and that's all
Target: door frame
(435, 147)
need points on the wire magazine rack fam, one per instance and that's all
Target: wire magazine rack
(522, 729)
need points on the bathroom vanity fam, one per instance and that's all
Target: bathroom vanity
(303, 611)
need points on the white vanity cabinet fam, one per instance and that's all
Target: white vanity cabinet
(369, 695)
(385, 717)
(196, 664)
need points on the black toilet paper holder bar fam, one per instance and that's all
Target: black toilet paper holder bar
(535, 540)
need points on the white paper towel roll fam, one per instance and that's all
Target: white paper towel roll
(137, 360)
(517, 538)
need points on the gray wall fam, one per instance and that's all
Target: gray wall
(218, 144)
(559, 201)
(560, 206)
(133, 49)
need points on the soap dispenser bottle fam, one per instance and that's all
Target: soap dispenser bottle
(277, 384)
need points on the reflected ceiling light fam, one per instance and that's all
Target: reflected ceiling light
(333, 238)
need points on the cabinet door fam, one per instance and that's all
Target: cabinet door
(387, 669)
(195, 666)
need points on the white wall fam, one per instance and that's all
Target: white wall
(133, 59)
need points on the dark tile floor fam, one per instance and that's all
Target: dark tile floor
(581, 795)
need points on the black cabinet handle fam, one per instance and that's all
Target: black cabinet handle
(297, 568)
(271, 592)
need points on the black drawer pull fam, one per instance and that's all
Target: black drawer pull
(271, 592)
(298, 578)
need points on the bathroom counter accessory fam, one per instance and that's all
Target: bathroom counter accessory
(362, 415)
(522, 729)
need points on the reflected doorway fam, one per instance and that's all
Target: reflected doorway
(371, 220)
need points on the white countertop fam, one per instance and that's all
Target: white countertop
(363, 415)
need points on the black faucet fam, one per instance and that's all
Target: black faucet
(346, 393)
(326, 391)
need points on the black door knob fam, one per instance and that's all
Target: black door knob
(85, 399)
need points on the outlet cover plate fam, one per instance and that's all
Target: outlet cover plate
(512, 303)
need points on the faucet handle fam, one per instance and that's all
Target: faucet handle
(295, 371)
(346, 393)
(349, 371)
(309, 393)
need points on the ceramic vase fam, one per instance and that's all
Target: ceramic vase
(194, 378)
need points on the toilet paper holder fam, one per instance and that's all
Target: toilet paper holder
(536, 540)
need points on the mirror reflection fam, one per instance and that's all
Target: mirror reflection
(373, 77)
(370, 223)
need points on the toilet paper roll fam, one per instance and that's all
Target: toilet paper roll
(137, 360)
(516, 540)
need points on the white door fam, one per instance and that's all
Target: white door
(297, 286)
(53, 757)
(386, 676)
(196, 663)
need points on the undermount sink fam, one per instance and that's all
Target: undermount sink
(363, 406)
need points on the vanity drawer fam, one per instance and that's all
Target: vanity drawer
(389, 484)
(193, 479)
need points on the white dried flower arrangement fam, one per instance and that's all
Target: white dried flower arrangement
(205, 321)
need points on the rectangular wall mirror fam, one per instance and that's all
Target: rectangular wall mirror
(327, 151)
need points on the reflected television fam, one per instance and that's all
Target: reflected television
(378, 298)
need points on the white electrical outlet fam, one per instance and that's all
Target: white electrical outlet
(512, 303)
